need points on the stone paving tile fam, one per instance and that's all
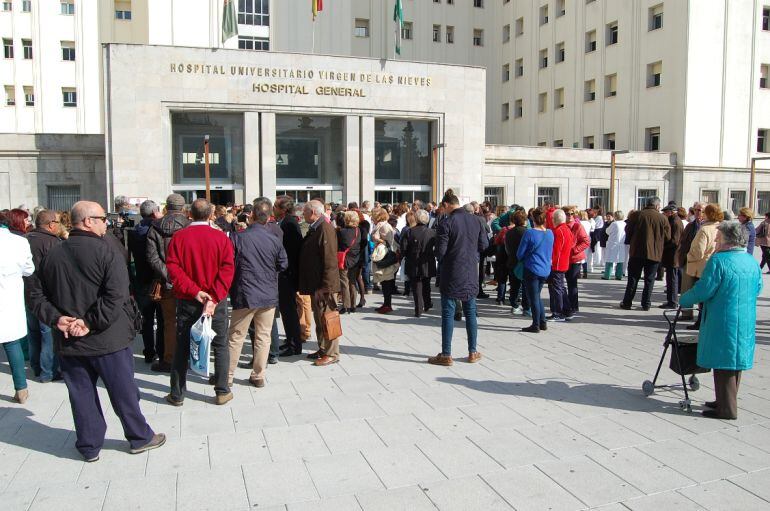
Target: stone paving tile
(295, 442)
(315, 388)
(649, 425)
(208, 421)
(342, 474)
(605, 432)
(349, 435)
(307, 411)
(411, 498)
(641, 470)
(449, 422)
(740, 454)
(756, 483)
(10, 463)
(235, 449)
(168, 423)
(401, 466)
(220, 489)
(589, 481)
(266, 483)
(465, 494)
(358, 384)
(399, 402)
(560, 440)
(689, 460)
(662, 501)
(86, 497)
(157, 493)
(256, 417)
(724, 495)
(114, 464)
(494, 417)
(511, 448)
(344, 503)
(400, 429)
(528, 488)
(179, 455)
(354, 407)
(398, 380)
(458, 457)
(40, 469)
(19, 500)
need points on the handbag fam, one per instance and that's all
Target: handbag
(331, 325)
(518, 270)
(156, 290)
(201, 335)
(342, 255)
(684, 358)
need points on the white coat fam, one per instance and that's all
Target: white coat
(15, 263)
(615, 252)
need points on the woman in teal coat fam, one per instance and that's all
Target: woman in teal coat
(728, 289)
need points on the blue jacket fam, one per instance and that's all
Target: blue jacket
(728, 289)
(459, 240)
(259, 258)
(752, 235)
(536, 251)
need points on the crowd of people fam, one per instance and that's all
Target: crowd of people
(79, 285)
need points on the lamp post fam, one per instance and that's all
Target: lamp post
(206, 170)
(612, 176)
(752, 179)
(434, 177)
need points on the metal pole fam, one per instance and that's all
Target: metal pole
(612, 181)
(752, 185)
(206, 166)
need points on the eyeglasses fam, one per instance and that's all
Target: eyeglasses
(102, 218)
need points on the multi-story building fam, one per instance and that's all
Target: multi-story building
(675, 76)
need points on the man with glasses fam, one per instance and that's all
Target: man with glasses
(84, 296)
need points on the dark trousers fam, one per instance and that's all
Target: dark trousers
(388, 289)
(287, 305)
(765, 257)
(366, 270)
(117, 373)
(673, 278)
(572, 276)
(533, 286)
(557, 292)
(187, 313)
(517, 289)
(726, 384)
(152, 339)
(637, 265)
(421, 293)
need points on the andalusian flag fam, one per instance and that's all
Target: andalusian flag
(318, 5)
(229, 23)
(398, 17)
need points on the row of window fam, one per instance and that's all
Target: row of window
(253, 43)
(67, 8)
(69, 96)
(651, 141)
(361, 29)
(254, 12)
(67, 49)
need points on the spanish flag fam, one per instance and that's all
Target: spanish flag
(318, 5)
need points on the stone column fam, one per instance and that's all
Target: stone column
(251, 163)
(267, 141)
(351, 181)
(367, 159)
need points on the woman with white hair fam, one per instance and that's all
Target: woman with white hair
(728, 288)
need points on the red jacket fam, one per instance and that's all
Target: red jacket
(549, 217)
(581, 242)
(562, 248)
(200, 258)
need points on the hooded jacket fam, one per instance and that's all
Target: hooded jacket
(158, 238)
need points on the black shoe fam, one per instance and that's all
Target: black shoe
(624, 306)
(714, 414)
(160, 367)
(316, 355)
(543, 326)
(149, 359)
(91, 460)
(246, 365)
(427, 308)
(694, 326)
(667, 305)
(710, 404)
(645, 307)
(482, 295)
(272, 359)
(361, 304)
(532, 329)
(212, 379)
(289, 351)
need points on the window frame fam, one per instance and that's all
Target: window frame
(68, 48)
(436, 33)
(253, 13)
(8, 52)
(478, 40)
(67, 7)
(652, 134)
(449, 34)
(26, 49)
(73, 102)
(363, 30)
(29, 92)
(10, 95)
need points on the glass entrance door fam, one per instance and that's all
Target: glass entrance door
(395, 196)
(218, 197)
(303, 195)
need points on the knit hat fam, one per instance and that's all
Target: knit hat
(175, 202)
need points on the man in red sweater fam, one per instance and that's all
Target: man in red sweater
(562, 250)
(581, 241)
(200, 265)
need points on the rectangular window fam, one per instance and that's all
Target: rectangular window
(655, 17)
(254, 12)
(652, 139)
(558, 98)
(69, 97)
(436, 1)
(495, 195)
(559, 52)
(225, 133)
(506, 111)
(436, 33)
(763, 202)
(654, 72)
(450, 35)
(764, 74)
(542, 144)
(8, 48)
(642, 194)
(253, 43)
(506, 72)
(518, 109)
(542, 102)
(609, 141)
(598, 197)
(588, 142)
(26, 6)
(590, 41)
(612, 33)
(361, 28)
(478, 37)
(766, 19)
(519, 27)
(590, 90)
(543, 14)
(737, 200)
(407, 31)
(558, 143)
(122, 15)
(519, 67)
(547, 194)
(29, 96)
(10, 95)
(123, 10)
(611, 86)
(543, 58)
(402, 151)
(68, 50)
(506, 33)
(478, 3)
(26, 45)
(7, 6)
(67, 7)
(709, 196)
(62, 197)
(762, 144)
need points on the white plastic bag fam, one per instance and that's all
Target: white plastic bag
(201, 335)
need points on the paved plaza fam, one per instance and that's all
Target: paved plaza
(555, 420)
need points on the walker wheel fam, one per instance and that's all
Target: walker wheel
(694, 383)
(685, 406)
(648, 388)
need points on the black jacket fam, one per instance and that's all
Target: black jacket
(292, 244)
(419, 252)
(158, 238)
(259, 258)
(350, 237)
(137, 245)
(460, 240)
(40, 242)
(512, 241)
(85, 277)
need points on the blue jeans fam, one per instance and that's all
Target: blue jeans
(16, 360)
(448, 323)
(274, 339)
(366, 270)
(533, 285)
(42, 359)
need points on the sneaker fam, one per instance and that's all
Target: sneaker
(517, 310)
(158, 439)
(570, 317)
(272, 359)
(527, 312)
(555, 318)
(441, 360)
(91, 460)
(474, 357)
(223, 398)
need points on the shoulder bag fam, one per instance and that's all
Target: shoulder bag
(343, 254)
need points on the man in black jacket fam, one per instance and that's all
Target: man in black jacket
(288, 280)
(158, 238)
(42, 358)
(84, 296)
